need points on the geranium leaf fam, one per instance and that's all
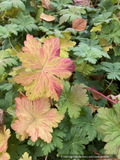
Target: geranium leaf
(57, 142)
(5, 60)
(112, 69)
(59, 4)
(86, 69)
(111, 32)
(4, 136)
(8, 4)
(25, 156)
(16, 148)
(46, 69)
(75, 145)
(89, 124)
(104, 17)
(72, 99)
(86, 53)
(65, 43)
(110, 119)
(24, 22)
(35, 119)
(71, 14)
(6, 31)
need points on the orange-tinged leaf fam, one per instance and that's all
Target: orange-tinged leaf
(44, 69)
(79, 24)
(46, 4)
(36, 118)
(4, 135)
(46, 17)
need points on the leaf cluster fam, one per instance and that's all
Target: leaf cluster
(58, 83)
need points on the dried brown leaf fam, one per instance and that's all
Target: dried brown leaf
(46, 4)
(95, 95)
(79, 24)
(93, 108)
(1, 118)
(46, 17)
(81, 2)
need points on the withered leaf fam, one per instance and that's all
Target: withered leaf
(46, 17)
(95, 95)
(81, 2)
(46, 4)
(1, 118)
(79, 24)
(93, 108)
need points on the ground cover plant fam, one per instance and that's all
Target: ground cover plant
(59, 79)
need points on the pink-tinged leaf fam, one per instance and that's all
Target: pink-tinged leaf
(4, 156)
(4, 135)
(35, 118)
(44, 69)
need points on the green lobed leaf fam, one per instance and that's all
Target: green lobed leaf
(111, 32)
(6, 31)
(116, 50)
(84, 68)
(59, 4)
(6, 60)
(104, 17)
(72, 99)
(75, 145)
(24, 22)
(16, 148)
(71, 14)
(7, 101)
(112, 69)
(8, 4)
(110, 127)
(89, 124)
(86, 53)
(57, 142)
(6, 86)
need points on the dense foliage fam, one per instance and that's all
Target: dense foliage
(59, 79)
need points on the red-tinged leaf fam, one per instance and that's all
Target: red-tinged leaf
(44, 69)
(35, 119)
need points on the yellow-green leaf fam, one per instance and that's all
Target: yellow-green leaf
(13, 52)
(65, 43)
(105, 45)
(25, 156)
(86, 69)
(96, 28)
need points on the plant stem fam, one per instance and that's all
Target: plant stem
(108, 86)
(12, 45)
(46, 157)
(101, 95)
